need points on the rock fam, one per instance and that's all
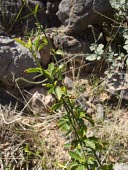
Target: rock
(74, 48)
(77, 15)
(69, 44)
(68, 83)
(29, 20)
(10, 97)
(52, 8)
(45, 55)
(117, 85)
(8, 12)
(120, 166)
(14, 60)
(16, 16)
(40, 101)
(99, 112)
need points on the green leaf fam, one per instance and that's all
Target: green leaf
(91, 161)
(81, 167)
(99, 57)
(67, 145)
(61, 165)
(36, 42)
(51, 90)
(125, 36)
(91, 57)
(41, 46)
(75, 156)
(29, 43)
(62, 121)
(74, 144)
(125, 47)
(64, 127)
(33, 70)
(89, 118)
(107, 167)
(51, 67)
(49, 85)
(100, 49)
(82, 131)
(21, 42)
(53, 51)
(44, 39)
(90, 143)
(59, 52)
(58, 92)
(93, 47)
(36, 9)
(126, 42)
(46, 73)
(73, 165)
(56, 106)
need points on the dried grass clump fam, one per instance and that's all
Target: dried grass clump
(29, 142)
(114, 131)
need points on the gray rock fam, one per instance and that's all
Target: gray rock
(74, 48)
(99, 112)
(14, 60)
(117, 84)
(39, 101)
(121, 166)
(68, 83)
(77, 15)
(8, 12)
(52, 8)
(16, 16)
(69, 44)
(29, 20)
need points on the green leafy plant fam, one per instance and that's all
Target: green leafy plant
(84, 151)
(121, 8)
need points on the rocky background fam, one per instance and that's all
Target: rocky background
(67, 26)
(66, 23)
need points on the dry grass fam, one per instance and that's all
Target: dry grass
(29, 142)
(114, 132)
(34, 142)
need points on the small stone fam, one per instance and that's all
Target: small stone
(99, 112)
(68, 83)
(40, 101)
(121, 166)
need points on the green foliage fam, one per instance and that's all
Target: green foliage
(120, 7)
(83, 150)
(113, 54)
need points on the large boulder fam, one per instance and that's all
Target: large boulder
(16, 16)
(51, 10)
(8, 12)
(29, 21)
(14, 60)
(39, 100)
(77, 15)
